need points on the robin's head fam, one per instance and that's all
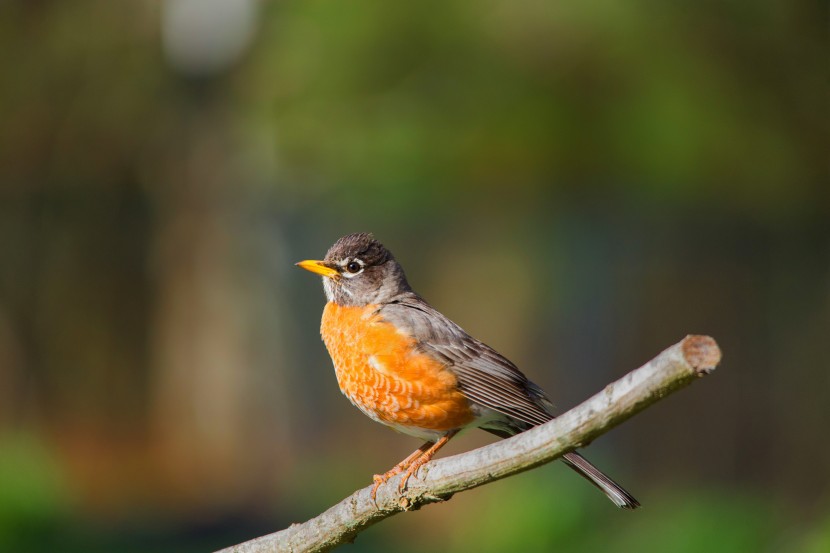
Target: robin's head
(358, 270)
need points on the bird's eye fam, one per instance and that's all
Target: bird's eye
(353, 267)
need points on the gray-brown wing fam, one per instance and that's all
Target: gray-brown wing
(485, 376)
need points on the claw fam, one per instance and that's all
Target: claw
(380, 479)
(405, 479)
(411, 464)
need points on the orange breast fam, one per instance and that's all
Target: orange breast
(378, 370)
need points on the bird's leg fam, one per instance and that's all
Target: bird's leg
(412, 463)
(400, 467)
(425, 456)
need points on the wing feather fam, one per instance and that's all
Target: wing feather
(486, 377)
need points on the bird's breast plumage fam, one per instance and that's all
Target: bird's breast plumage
(383, 373)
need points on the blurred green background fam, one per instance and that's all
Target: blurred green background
(577, 184)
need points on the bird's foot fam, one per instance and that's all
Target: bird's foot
(380, 479)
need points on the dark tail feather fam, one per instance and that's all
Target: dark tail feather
(614, 491)
(580, 464)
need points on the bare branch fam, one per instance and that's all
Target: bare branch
(676, 367)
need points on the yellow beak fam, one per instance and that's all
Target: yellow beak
(318, 267)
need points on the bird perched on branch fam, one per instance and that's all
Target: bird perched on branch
(404, 364)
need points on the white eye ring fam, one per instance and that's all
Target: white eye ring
(352, 267)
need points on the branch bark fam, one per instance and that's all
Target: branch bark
(676, 367)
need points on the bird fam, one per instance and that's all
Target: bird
(406, 365)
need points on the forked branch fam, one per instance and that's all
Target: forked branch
(676, 367)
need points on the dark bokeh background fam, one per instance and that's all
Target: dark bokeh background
(578, 184)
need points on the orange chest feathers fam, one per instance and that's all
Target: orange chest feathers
(381, 373)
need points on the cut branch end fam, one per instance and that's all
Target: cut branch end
(701, 353)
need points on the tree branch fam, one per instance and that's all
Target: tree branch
(676, 367)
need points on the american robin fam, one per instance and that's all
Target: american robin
(404, 364)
